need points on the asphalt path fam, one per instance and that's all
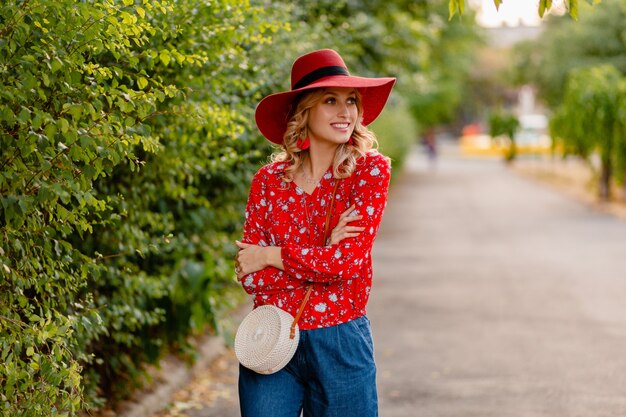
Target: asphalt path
(494, 295)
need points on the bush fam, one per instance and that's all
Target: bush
(123, 171)
(397, 132)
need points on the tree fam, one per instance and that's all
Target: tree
(586, 110)
(591, 118)
(413, 41)
(504, 124)
(565, 45)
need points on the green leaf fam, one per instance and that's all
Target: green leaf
(129, 121)
(142, 82)
(56, 64)
(452, 8)
(63, 124)
(542, 7)
(141, 12)
(573, 9)
(24, 116)
(51, 131)
(7, 115)
(164, 56)
(37, 120)
(75, 110)
(30, 351)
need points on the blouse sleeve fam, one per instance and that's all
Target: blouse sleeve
(341, 261)
(269, 279)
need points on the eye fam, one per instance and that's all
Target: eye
(352, 100)
(330, 100)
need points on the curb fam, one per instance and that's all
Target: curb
(173, 374)
(544, 173)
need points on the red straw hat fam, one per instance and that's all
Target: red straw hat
(318, 69)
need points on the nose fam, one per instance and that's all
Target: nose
(343, 110)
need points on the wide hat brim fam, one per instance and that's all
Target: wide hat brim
(272, 113)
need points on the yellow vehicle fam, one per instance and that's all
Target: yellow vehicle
(530, 138)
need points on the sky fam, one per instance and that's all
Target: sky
(511, 12)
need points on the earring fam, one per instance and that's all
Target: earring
(303, 143)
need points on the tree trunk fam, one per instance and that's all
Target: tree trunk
(605, 180)
(624, 189)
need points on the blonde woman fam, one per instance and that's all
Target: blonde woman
(327, 154)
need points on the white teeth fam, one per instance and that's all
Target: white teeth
(341, 125)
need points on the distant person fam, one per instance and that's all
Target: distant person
(429, 140)
(320, 127)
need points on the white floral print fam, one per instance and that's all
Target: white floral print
(341, 274)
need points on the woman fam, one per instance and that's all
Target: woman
(326, 149)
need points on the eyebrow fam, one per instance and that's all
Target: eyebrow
(331, 93)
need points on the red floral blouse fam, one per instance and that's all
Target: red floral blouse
(282, 214)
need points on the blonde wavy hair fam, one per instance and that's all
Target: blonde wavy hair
(346, 155)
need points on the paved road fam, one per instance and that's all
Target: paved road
(494, 296)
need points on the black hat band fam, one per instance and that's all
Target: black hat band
(319, 73)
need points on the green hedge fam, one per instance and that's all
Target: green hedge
(126, 151)
(397, 132)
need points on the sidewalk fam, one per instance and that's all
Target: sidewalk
(572, 177)
(497, 296)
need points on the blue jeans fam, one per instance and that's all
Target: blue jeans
(332, 374)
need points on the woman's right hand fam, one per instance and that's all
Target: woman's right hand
(343, 230)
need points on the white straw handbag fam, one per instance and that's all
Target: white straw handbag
(268, 336)
(257, 344)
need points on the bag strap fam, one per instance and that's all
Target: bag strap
(292, 333)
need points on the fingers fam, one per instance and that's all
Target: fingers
(345, 217)
(345, 232)
(249, 259)
(238, 268)
(241, 269)
(352, 218)
(242, 245)
(347, 212)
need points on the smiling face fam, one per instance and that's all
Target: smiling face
(333, 118)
